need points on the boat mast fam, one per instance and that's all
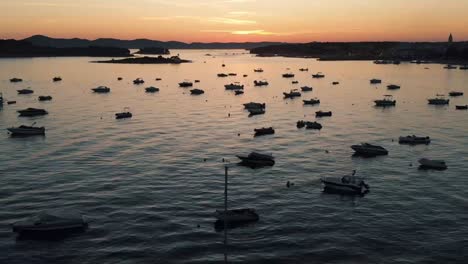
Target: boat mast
(225, 211)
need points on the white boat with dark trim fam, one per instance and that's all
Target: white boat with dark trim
(366, 149)
(349, 184)
(26, 130)
(432, 164)
(414, 140)
(51, 222)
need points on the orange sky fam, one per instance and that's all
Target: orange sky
(237, 20)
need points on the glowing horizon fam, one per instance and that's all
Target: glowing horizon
(237, 20)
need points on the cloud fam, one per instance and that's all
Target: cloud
(231, 21)
(242, 32)
(240, 13)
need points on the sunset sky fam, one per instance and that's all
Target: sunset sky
(237, 20)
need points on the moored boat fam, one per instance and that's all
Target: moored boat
(47, 223)
(414, 140)
(313, 101)
(197, 91)
(44, 98)
(306, 88)
(450, 67)
(238, 92)
(313, 125)
(15, 80)
(288, 75)
(264, 131)
(454, 93)
(293, 93)
(366, 149)
(26, 130)
(349, 184)
(101, 89)
(25, 91)
(432, 164)
(323, 113)
(257, 159)
(57, 79)
(185, 84)
(386, 101)
(393, 87)
(300, 124)
(237, 215)
(256, 111)
(258, 70)
(439, 100)
(138, 81)
(375, 81)
(252, 105)
(151, 89)
(32, 112)
(234, 86)
(335, 83)
(304, 69)
(318, 75)
(461, 107)
(260, 83)
(125, 114)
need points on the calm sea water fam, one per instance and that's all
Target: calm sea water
(150, 196)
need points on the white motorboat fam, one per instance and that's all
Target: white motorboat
(414, 140)
(349, 184)
(51, 222)
(367, 149)
(432, 164)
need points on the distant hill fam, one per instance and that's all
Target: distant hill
(14, 48)
(40, 40)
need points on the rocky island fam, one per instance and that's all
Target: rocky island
(147, 60)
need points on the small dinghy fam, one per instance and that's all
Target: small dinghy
(306, 89)
(293, 93)
(322, 113)
(26, 130)
(151, 89)
(238, 92)
(119, 78)
(454, 93)
(311, 101)
(461, 107)
(25, 91)
(234, 86)
(318, 75)
(197, 81)
(295, 82)
(375, 81)
(185, 84)
(101, 89)
(288, 75)
(125, 114)
(393, 87)
(432, 164)
(366, 149)
(335, 83)
(47, 223)
(57, 79)
(264, 131)
(222, 75)
(158, 79)
(313, 125)
(138, 81)
(304, 69)
(414, 140)
(260, 83)
(16, 80)
(45, 98)
(255, 159)
(197, 91)
(349, 184)
(232, 74)
(258, 70)
(32, 112)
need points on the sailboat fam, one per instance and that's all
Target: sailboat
(234, 216)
